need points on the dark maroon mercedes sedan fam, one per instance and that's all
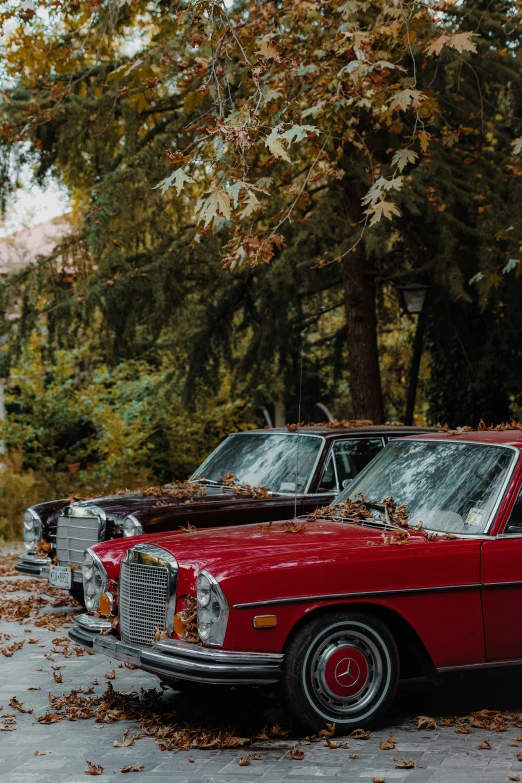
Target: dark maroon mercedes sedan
(298, 469)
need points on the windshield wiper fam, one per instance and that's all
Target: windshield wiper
(213, 483)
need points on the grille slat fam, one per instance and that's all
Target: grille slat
(142, 600)
(73, 536)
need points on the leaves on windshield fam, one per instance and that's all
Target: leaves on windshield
(245, 490)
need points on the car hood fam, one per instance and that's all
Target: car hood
(121, 505)
(254, 561)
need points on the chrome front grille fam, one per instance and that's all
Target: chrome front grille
(143, 601)
(73, 536)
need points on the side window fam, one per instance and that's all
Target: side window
(351, 456)
(328, 481)
(514, 524)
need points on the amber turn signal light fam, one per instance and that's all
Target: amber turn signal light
(106, 603)
(265, 621)
(179, 628)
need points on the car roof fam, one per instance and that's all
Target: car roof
(333, 430)
(504, 437)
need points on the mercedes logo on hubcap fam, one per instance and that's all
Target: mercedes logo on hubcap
(347, 672)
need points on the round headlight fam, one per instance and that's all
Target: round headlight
(87, 568)
(32, 530)
(204, 624)
(203, 590)
(89, 590)
(131, 527)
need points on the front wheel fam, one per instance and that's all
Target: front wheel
(340, 668)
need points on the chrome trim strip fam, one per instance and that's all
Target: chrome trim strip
(90, 623)
(320, 453)
(477, 666)
(502, 584)
(369, 594)
(173, 646)
(178, 660)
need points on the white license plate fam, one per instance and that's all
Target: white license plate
(60, 576)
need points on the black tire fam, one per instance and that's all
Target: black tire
(320, 665)
(76, 591)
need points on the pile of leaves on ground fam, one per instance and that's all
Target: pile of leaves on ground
(35, 598)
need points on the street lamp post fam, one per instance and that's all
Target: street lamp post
(413, 300)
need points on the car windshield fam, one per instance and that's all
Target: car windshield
(264, 459)
(450, 487)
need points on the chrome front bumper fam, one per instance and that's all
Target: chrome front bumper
(35, 566)
(178, 660)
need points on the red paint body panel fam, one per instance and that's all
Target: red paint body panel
(448, 591)
(330, 558)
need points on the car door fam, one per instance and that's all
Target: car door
(501, 577)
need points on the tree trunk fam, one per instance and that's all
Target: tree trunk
(361, 333)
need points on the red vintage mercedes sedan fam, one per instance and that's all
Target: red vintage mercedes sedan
(416, 567)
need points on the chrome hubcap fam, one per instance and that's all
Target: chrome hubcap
(346, 672)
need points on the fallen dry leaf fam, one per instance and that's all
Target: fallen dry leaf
(191, 759)
(401, 764)
(110, 675)
(244, 761)
(335, 745)
(423, 722)
(388, 744)
(132, 768)
(34, 688)
(19, 705)
(378, 780)
(361, 734)
(297, 754)
(57, 677)
(329, 731)
(354, 756)
(462, 729)
(39, 753)
(513, 777)
(514, 745)
(518, 756)
(93, 769)
(256, 757)
(484, 745)
(127, 740)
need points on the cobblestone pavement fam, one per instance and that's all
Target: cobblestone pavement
(440, 755)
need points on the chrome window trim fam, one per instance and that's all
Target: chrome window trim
(350, 437)
(168, 561)
(320, 453)
(501, 494)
